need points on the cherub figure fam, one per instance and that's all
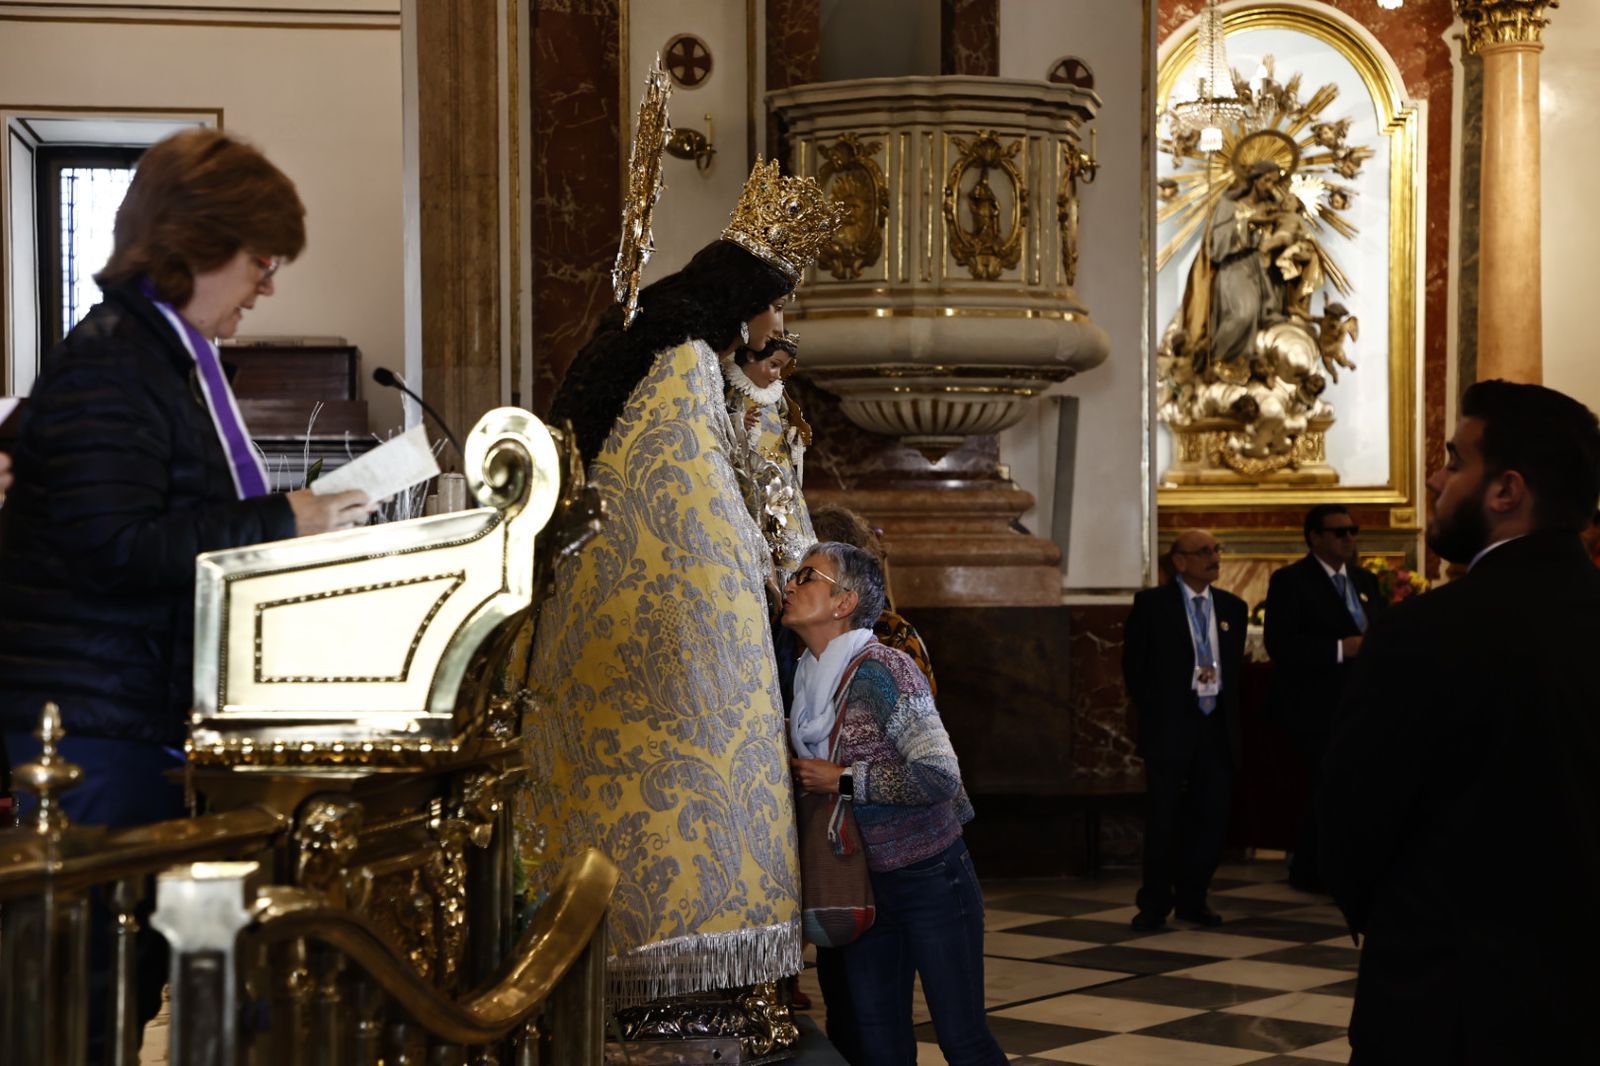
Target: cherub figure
(1333, 326)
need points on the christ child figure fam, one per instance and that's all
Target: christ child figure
(771, 463)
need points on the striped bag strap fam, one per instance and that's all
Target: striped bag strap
(843, 843)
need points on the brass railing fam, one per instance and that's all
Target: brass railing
(285, 939)
(350, 897)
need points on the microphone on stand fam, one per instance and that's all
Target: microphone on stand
(384, 376)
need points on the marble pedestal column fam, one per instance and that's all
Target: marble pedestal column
(1506, 33)
(1509, 306)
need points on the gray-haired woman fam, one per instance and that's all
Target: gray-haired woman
(897, 768)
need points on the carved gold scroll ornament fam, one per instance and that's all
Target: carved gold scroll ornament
(852, 177)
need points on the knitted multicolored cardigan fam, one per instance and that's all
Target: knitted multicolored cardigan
(909, 801)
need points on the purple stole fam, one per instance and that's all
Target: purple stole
(249, 475)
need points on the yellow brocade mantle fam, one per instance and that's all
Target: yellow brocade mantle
(657, 735)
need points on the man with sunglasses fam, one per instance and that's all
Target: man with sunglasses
(1318, 610)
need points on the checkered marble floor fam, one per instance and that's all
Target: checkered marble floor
(1068, 980)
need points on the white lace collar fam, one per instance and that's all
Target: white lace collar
(740, 382)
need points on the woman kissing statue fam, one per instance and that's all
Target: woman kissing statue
(657, 731)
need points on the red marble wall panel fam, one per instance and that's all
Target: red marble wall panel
(969, 37)
(794, 42)
(794, 57)
(1416, 37)
(1103, 756)
(575, 200)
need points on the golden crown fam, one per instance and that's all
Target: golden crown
(783, 221)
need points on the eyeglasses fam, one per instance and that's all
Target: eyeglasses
(804, 575)
(1207, 552)
(268, 267)
(1341, 531)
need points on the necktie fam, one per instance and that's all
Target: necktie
(1352, 602)
(1200, 608)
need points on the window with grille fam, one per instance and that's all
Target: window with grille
(79, 191)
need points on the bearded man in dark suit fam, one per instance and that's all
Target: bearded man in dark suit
(1317, 610)
(1460, 801)
(1182, 652)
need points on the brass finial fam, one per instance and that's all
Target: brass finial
(50, 774)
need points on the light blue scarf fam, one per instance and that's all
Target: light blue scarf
(812, 716)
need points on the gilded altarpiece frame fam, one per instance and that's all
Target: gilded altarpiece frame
(1400, 128)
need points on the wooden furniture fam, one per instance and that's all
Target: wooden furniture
(279, 384)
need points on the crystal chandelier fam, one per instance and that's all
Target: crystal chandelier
(1391, 4)
(1216, 102)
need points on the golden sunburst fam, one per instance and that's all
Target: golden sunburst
(1277, 127)
(1273, 146)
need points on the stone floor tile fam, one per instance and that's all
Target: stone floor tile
(1279, 975)
(1217, 942)
(1088, 1011)
(1300, 1007)
(1130, 1049)
(1277, 1035)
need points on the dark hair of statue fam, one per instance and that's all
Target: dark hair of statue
(719, 290)
(745, 356)
(1549, 438)
(1319, 514)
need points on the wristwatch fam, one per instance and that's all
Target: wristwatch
(847, 784)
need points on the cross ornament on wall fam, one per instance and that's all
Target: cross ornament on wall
(688, 60)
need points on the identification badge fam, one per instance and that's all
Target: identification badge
(1206, 681)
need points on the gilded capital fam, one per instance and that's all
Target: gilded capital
(1492, 22)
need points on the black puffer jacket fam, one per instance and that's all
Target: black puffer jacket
(120, 482)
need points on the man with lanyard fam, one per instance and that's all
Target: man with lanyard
(1182, 652)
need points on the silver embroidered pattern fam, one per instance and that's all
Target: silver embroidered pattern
(677, 706)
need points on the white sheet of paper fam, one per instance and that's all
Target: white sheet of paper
(391, 468)
(7, 405)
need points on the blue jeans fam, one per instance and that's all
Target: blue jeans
(930, 922)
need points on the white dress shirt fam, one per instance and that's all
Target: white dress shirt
(1338, 643)
(1490, 548)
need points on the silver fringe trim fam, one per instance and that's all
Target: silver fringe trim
(703, 962)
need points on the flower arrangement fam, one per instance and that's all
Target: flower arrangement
(1395, 583)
